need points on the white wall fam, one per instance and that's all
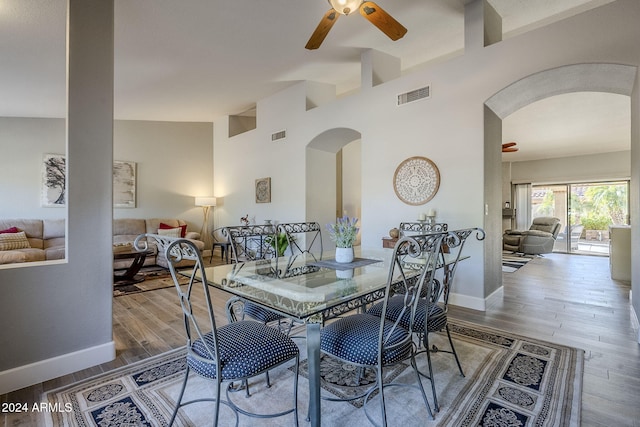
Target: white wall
(24, 141)
(448, 128)
(174, 163)
(590, 168)
(352, 178)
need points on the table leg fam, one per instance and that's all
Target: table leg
(313, 359)
(130, 276)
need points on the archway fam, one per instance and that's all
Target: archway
(610, 78)
(330, 191)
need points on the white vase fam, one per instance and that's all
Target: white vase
(344, 274)
(344, 255)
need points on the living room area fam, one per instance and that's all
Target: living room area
(66, 318)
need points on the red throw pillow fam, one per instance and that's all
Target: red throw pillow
(10, 230)
(183, 228)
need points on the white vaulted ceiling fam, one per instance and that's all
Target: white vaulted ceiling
(196, 60)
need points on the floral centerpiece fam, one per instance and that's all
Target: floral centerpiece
(344, 232)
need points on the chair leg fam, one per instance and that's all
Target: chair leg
(453, 350)
(419, 380)
(381, 392)
(216, 414)
(436, 407)
(184, 386)
(268, 381)
(295, 390)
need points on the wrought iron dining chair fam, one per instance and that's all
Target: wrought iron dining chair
(369, 341)
(253, 243)
(234, 352)
(431, 311)
(303, 238)
(411, 228)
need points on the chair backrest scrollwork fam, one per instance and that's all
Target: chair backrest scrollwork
(251, 242)
(454, 242)
(196, 327)
(405, 278)
(409, 228)
(303, 238)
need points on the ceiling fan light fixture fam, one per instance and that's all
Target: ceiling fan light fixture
(345, 7)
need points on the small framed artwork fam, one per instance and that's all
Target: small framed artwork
(124, 184)
(54, 180)
(263, 190)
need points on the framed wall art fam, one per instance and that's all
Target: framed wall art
(416, 180)
(263, 190)
(54, 181)
(124, 184)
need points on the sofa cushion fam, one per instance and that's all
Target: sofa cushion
(9, 257)
(170, 232)
(153, 224)
(33, 255)
(10, 230)
(31, 227)
(126, 230)
(54, 253)
(163, 226)
(53, 229)
(12, 241)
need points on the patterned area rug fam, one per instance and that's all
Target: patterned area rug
(342, 379)
(154, 278)
(510, 380)
(512, 262)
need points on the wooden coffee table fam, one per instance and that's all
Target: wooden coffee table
(130, 276)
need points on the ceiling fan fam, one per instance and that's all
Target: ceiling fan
(509, 147)
(371, 11)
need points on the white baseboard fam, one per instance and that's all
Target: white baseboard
(635, 320)
(44, 370)
(474, 303)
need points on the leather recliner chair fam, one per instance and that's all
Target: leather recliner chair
(537, 240)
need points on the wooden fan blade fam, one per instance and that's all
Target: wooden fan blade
(381, 19)
(322, 29)
(508, 144)
(509, 149)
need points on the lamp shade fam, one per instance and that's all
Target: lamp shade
(205, 201)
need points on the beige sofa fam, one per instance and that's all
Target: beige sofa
(47, 239)
(126, 230)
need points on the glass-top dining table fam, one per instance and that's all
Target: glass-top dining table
(309, 290)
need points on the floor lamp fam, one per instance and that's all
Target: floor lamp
(206, 203)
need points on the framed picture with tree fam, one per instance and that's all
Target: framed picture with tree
(54, 180)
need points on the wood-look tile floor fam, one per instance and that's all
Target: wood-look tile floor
(568, 299)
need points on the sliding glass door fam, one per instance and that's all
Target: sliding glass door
(586, 210)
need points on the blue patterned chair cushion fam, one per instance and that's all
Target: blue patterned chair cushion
(260, 313)
(437, 316)
(355, 339)
(247, 348)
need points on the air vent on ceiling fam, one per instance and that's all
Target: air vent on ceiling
(414, 95)
(278, 136)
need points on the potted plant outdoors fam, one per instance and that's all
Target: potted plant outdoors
(344, 233)
(278, 242)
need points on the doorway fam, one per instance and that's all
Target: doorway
(586, 210)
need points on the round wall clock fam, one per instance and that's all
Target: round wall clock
(416, 180)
